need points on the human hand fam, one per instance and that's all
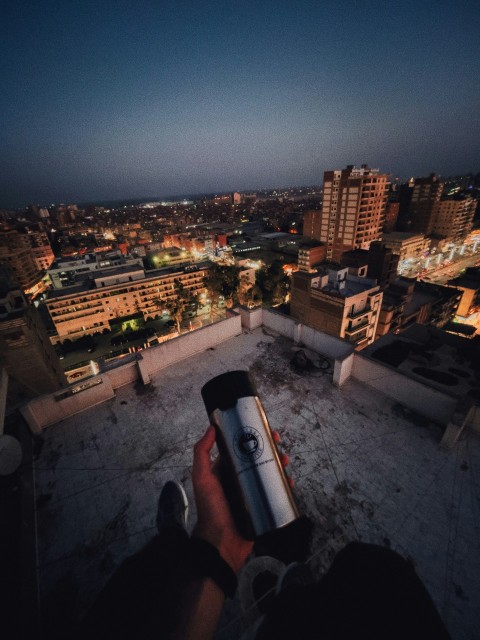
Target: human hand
(215, 522)
(284, 459)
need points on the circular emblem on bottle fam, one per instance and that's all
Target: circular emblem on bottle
(248, 444)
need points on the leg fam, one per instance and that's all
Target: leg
(369, 591)
(138, 592)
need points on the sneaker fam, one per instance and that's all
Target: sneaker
(172, 508)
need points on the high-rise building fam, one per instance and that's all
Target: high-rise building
(454, 218)
(424, 204)
(16, 254)
(382, 263)
(404, 196)
(353, 209)
(25, 349)
(41, 249)
(391, 215)
(312, 224)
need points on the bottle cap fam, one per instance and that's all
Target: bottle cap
(223, 391)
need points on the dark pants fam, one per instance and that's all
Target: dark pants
(368, 592)
(137, 600)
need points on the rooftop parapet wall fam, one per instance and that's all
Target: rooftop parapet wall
(340, 351)
(428, 402)
(46, 410)
(188, 344)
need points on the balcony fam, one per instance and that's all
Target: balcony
(358, 314)
(359, 327)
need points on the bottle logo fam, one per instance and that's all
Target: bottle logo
(248, 444)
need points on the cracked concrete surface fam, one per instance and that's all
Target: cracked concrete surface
(365, 468)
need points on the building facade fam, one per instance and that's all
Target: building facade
(119, 294)
(392, 210)
(25, 349)
(407, 246)
(408, 301)
(16, 255)
(336, 303)
(353, 209)
(42, 252)
(454, 218)
(311, 254)
(312, 224)
(424, 203)
(66, 272)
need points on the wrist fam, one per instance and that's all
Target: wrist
(234, 552)
(206, 561)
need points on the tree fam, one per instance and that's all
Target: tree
(178, 304)
(273, 283)
(248, 292)
(222, 281)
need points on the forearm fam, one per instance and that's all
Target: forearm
(199, 611)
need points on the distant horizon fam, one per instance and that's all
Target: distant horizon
(195, 195)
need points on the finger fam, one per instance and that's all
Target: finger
(291, 482)
(284, 459)
(276, 437)
(201, 454)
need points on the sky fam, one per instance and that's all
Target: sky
(119, 99)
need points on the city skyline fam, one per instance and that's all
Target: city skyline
(114, 102)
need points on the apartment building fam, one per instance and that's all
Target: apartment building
(408, 301)
(454, 218)
(353, 209)
(25, 349)
(469, 285)
(119, 293)
(310, 254)
(337, 303)
(41, 249)
(16, 255)
(65, 272)
(406, 245)
(312, 224)
(424, 203)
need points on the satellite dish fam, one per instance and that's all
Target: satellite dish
(10, 455)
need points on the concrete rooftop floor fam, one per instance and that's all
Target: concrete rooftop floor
(365, 468)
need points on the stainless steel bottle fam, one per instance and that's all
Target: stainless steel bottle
(257, 486)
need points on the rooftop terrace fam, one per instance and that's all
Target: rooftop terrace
(365, 468)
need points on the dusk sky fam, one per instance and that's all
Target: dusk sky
(109, 100)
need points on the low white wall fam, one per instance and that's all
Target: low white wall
(426, 401)
(167, 353)
(329, 346)
(123, 374)
(50, 409)
(251, 318)
(320, 342)
(342, 370)
(280, 323)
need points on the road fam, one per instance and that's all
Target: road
(443, 273)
